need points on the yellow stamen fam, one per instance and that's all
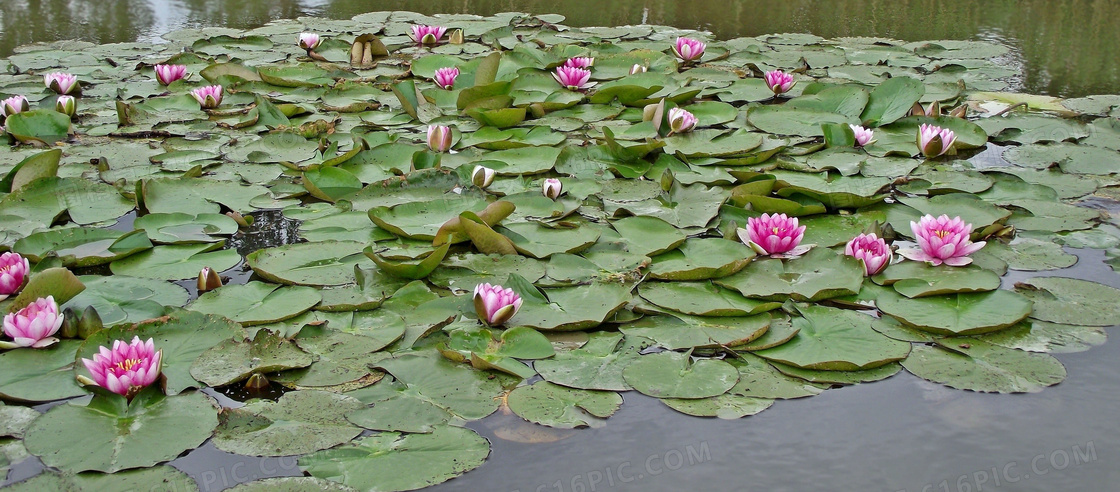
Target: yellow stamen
(777, 230)
(126, 365)
(941, 234)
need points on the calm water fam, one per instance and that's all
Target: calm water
(901, 434)
(1065, 47)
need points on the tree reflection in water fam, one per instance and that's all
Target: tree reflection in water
(1065, 47)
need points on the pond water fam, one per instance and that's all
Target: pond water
(1063, 48)
(900, 434)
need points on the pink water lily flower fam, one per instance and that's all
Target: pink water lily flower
(872, 250)
(942, 240)
(61, 82)
(552, 188)
(681, 121)
(127, 367)
(445, 77)
(33, 325)
(688, 49)
(495, 305)
(13, 105)
(439, 138)
(208, 97)
(779, 82)
(309, 40)
(13, 269)
(166, 74)
(934, 141)
(573, 78)
(864, 136)
(427, 34)
(774, 235)
(580, 62)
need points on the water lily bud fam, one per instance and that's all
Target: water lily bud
(208, 97)
(66, 105)
(774, 235)
(681, 121)
(166, 74)
(309, 40)
(90, 323)
(494, 304)
(779, 82)
(959, 112)
(445, 77)
(257, 381)
(13, 270)
(688, 49)
(573, 78)
(935, 141)
(933, 110)
(126, 368)
(13, 105)
(482, 176)
(61, 82)
(552, 188)
(637, 68)
(871, 250)
(439, 138)
(942, 240)
(864, 136)
(455, 37)
(33, 325)
(208, 280)
(428, 35)
(69, 328)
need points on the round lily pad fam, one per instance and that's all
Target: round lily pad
(37, 375)
(958, 314)
(124, 299)
(837, 340)
(967, 363)
(138, 432)
(322, 263)
(676, 375)
(566, 408)
(256, 302)
(299, 422)
(389, 461)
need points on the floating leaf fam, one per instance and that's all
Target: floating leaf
(565, 408)
(299, 422)
(968, 363)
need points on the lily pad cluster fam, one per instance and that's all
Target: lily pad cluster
(631, 279)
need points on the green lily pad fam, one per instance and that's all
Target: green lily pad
(676, 375)
(176, 262)
(460, 390)
(820, 274)
(701, 258)
(389, 461)
(299, 422)
(837, 340)
(38, 375)
(178, 228)
(537, 241)
(971, 364)
(565, 408)
(958, 314)
(402, 413)
(1071, 301)
(702, 299)
(681, 331)
(122, 299)
(82, 246)
(597, 365)
(256, 302)
(572, 308)
(728, 406)
(234, 360)
(918, 279)
(137, 432)
(322, 263)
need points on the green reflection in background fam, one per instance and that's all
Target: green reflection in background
(1063, 47)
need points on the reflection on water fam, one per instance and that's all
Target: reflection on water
(1064, 48)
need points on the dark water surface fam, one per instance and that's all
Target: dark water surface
(1064, 48)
